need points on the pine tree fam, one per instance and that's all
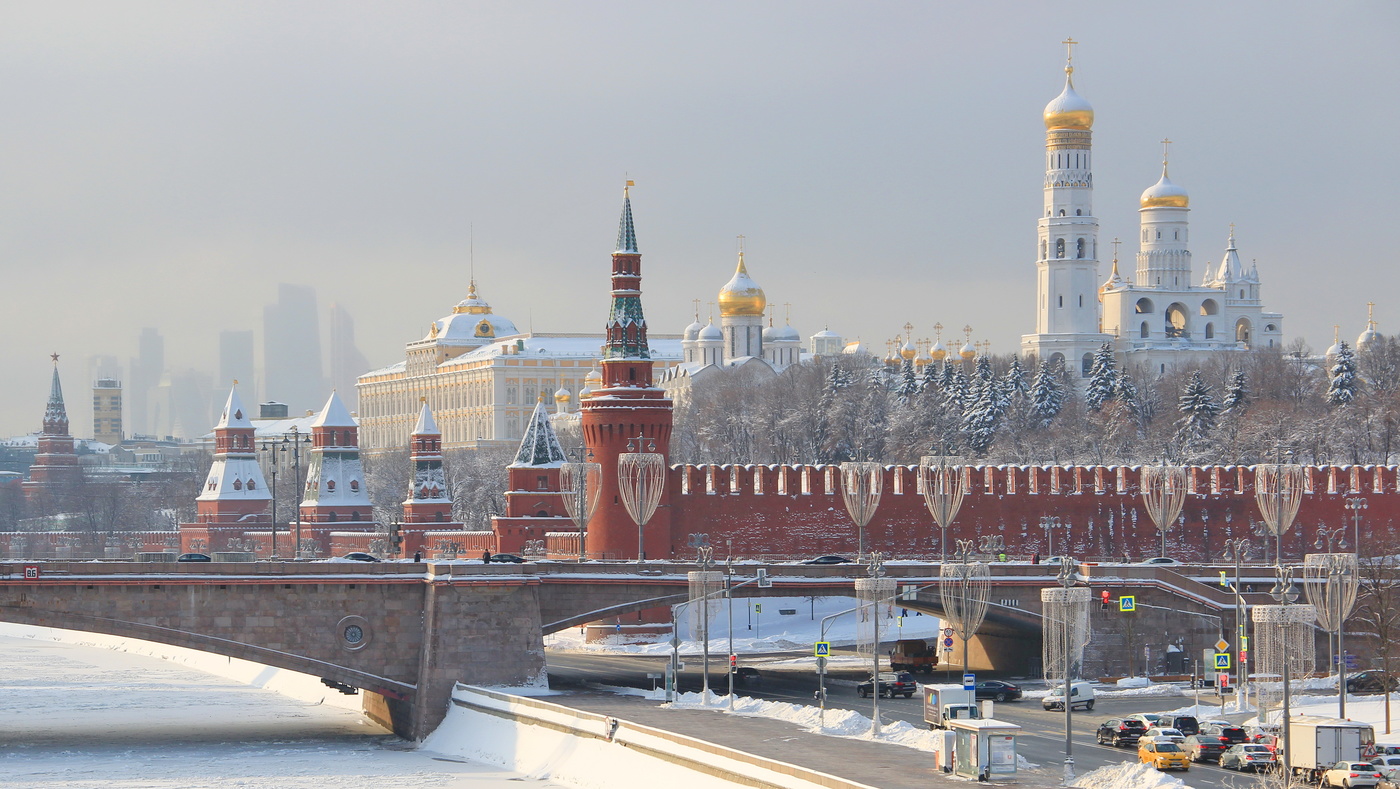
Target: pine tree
(1103, 379)
(929, 382)
(1014, 381)
(908, 385)
(946, 375)
(1047, 393)
(983, 368)
(1344, 386)
(1198, 411)
(982, 417)
(1127, 394)
(1236, 400)
(956, 394)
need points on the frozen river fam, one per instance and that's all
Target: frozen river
(84, 716)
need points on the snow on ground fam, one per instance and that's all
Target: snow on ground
(1163, 690)
(1128, 776)
(764, 631)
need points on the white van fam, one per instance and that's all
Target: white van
(1081, 694)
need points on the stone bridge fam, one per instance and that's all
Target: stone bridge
(404, 633)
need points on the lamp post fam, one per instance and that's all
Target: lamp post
(1334, 578)
(580, 483)
(963, 588)
(705, 558)
(1355, 505)
(862, 483)
(873, 592)
(296, 441)
(1163, 494)
(1283, 620)
(273, 448)
(1237, 550)
(943, 494)
(1066, 616)
(1327, 539)
(1049, 522)
(1278, 490)
(641, 477)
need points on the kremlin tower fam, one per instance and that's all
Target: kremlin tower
(626, 406)
(235, 497)
(534, 503)
(429, 503)
(55, 465)
(335, 498)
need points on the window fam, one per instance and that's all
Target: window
(1080, 245)
(1176, 321)
(354, 515)
(1209, 307)
(1210, 331)
(1062, 212)
(1144, 306)
(1062, 301)
(1081, 300)
(1176, 234)
(1059, 247)
(1079, 212)
(330, 516)
(1144, 332)
(541, 483)
(1086, 365)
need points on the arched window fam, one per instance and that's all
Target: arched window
(1043, 248)
(1144, 332)
(1079, 212)
(1059, 247)
(330, 485)
(354, 515)
(1159, 235)
(1062, 301)
(1062, 212)
(330, 516)
(355, 485)
(1210, 307)
(1081, 248)
(1086, 365)
(1241, 293)
(1210, 331)
(440, 517)
(1176, 325)
(1057, 360)
(1176, 234)
(252, 484)
(1242, 331)
(1144, 306)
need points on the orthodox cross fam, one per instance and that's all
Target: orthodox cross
(1069, 50)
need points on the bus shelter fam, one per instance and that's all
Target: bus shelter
(984, 748)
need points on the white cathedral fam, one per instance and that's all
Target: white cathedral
(1157, 317)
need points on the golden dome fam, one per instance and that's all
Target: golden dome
(1069, 110)
(1165, 194)
(472, 304)
(741, 296)
(908, 351)
(968, 351)
(561, 395)
(938, 353)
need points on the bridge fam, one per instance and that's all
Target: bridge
(405, 633)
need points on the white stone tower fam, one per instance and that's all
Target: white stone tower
(1164, 259)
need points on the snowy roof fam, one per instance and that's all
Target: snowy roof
(334, 414)
(465, 328)
(589, 346)
(427, 426)
(540, 447)
(233, 415)
(626, 233)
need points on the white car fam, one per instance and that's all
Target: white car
(1170, 735)
(1160, 560)
(1149, 719)
(1349, 774)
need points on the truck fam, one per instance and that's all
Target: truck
(1318, 743)
(913, 654)
(943, 703)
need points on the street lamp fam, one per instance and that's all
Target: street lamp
(1334, 579)
(943, 494)
(1066, 617)
(963, 588)
(273, 448)
(1327, 539)
(1049, 522)
(699, 581)
(1284, 635)
(1356, 505)
(1163, 494)
(295, 442)
(1278, 490)
(872, 592)
(1237, 550)
(579, 482)
(641, 477)
(862, 483)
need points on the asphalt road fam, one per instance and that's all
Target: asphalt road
(1041, 740)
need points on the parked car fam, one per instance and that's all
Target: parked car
(1160, 560)
(359, 556)
(1052, 560)
(1120, 732)
(1372, 681)
(1170, 735)
(829, 560)
(194, 557)
(1162, 755)
(891, 685)
(1227, 732)
(1204, 748)
(506, 558)
(747, 676)
(1186, 723)
(1081, 694)
(1248, 756)
(997, 691)
(1349, 774)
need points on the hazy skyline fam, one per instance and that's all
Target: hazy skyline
(168, 164)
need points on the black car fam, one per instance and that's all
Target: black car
(1186, 724)
(830, 560)
(1230, 735)
(747, 676)
(194, 557)
(1204, 748)
(1371, 681)
(360, 556)
(891, 685)
(1120, 732)
(506, 558)
(997, 691)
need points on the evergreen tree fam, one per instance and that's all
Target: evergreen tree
(908, 385)
(1344, 385)
(1014, 381)
(930, 381)
(1047, 393)
(982, 417)
(1103, 378)
(947, 373)
(1127, 394)
(956, 394)
(983, 368)
(1198, 411)
(1236, 400)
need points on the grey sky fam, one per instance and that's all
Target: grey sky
(167, 164)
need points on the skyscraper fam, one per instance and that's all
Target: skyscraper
(292, 350)
(146, 371)
(236, 359)
(347, 364)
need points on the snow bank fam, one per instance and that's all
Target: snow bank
(1128, 776)
(838, 723)
(1134, 682)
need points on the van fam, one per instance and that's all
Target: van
(1081, 694)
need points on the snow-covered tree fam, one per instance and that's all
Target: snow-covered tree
(983, 416)
(1127, 394)
(1103, 378)
(908, 385)
(957, 394)
(1014, 381)
(1344, 385)
(1047, 393)
(1236, 400)
(1198, 411)
(929, 382)
(946, 375)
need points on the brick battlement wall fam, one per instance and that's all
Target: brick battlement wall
(797, 511)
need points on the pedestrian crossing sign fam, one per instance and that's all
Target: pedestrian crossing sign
(1127, 603)
(823, 649)
(1222, 661)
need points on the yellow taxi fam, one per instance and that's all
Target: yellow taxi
(1163, 754)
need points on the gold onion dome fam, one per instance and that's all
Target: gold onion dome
(938, 353)
(561, 395)
(1069, 110)
(1165, 194)
(741, 296)
(968, 351)
(908, 351)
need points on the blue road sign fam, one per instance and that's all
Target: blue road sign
(1127, 603)
(1222, 661)
(947, 642)
(823, 649)
(969, 682)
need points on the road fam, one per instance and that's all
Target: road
(1042, 736)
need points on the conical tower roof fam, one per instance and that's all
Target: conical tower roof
(234, 415)
(426, 426)
(540, 447)
(334, 414)
(626, 234)
(55, 413)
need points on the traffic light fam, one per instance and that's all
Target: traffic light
(1103, 600)
(733, 661)
(395, 538)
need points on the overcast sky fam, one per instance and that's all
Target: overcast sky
(167, 164)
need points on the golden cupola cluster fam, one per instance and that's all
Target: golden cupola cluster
(741, 296)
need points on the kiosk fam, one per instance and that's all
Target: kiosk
(984, 748)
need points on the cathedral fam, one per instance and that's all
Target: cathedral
(1156, 317)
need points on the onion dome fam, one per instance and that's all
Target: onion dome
(561, 395)
(968, 352)
(741, 296)
(908, 351)
(1164, 194)
(1370, 335)
(1069, 110)
(1336, 347)
(692, 331)
(711, 333)
(938, 352)
(594, 378)
(786, 333)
